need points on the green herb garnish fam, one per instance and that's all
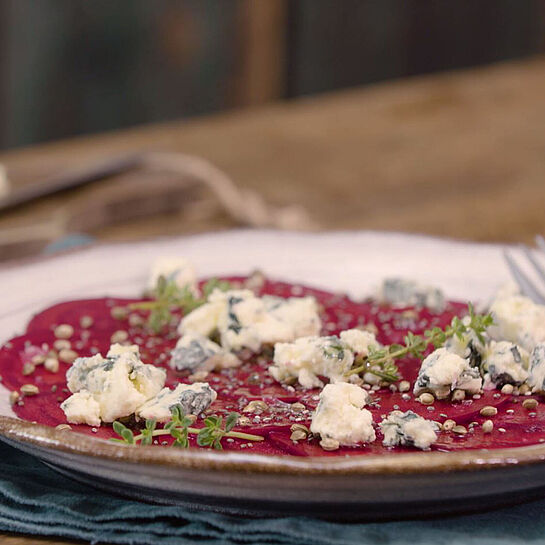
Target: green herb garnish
(381, 362)
(167, 297)
(179, 428)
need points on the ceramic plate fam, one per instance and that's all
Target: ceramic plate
(396, 486)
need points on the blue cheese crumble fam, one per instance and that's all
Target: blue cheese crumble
(401, 292)
(409, 430)
(192, 398)
(197, 353)
(241, 320)
(442, 372)
(519, 320)
(536, 377)
(105, 389)
(340, 415)
(309, 357)
(505, 363)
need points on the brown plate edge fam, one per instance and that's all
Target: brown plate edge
(41, 436)
(30, 434)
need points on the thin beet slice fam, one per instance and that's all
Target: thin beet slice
(237, 387)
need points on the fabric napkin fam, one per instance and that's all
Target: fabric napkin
(36, 500)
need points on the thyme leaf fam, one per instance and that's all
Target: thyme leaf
(178, 427)
(381, 361)
(168, 296)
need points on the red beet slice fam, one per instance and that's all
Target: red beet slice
(236, 387)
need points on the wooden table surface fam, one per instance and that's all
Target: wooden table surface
(459, 154)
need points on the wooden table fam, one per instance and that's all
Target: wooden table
(459, 155)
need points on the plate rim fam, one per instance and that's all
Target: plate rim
(406, 463)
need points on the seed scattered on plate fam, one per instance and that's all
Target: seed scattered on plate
(298, 435)
(38, 359)
(52, 364)
(63, 427)
(64, 331)
(459, 430)
(255, 406)
(530, 404)
(301, 427)
(61, 344)
(329, 444)
(119, 336)
(488, 426)
(297, 407)
(119, 313)
(28, 368)
(29, 389)
(135, 320)
(426, 398)
(67, 356)
(404, 386)
(449, 424)
(86, 322)
(507, 389)
(458, 395)
(14, 397)
(488, 411)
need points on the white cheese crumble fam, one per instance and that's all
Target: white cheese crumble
(401, 292)
(536, 377)
(358, 341)
(175, 269)
(505, 363)
(309, 357)
(82, 408)
(408, 429)
(443, 372)
(340, 415)
(242, 320)
(118, 383)
(198, 353)
(192, 398)
(519, 320)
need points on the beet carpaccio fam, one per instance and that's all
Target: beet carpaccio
(308, 372)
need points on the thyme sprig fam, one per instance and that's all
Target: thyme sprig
(178, 427)
(168, 297)
(381, 361)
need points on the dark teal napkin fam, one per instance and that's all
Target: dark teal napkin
(36, 500)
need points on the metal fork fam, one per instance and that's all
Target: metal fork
(528, 286)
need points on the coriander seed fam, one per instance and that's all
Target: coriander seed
(488, 426)
(530, 404)
(459, 430)
(64, 331)
(426, 398)
(488, 411)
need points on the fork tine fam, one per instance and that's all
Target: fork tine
(526, 285)
(540, 241)
(531, 258)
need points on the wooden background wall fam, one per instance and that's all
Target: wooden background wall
(70, 67)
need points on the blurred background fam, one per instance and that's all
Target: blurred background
(423, 116)
(74, 67)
